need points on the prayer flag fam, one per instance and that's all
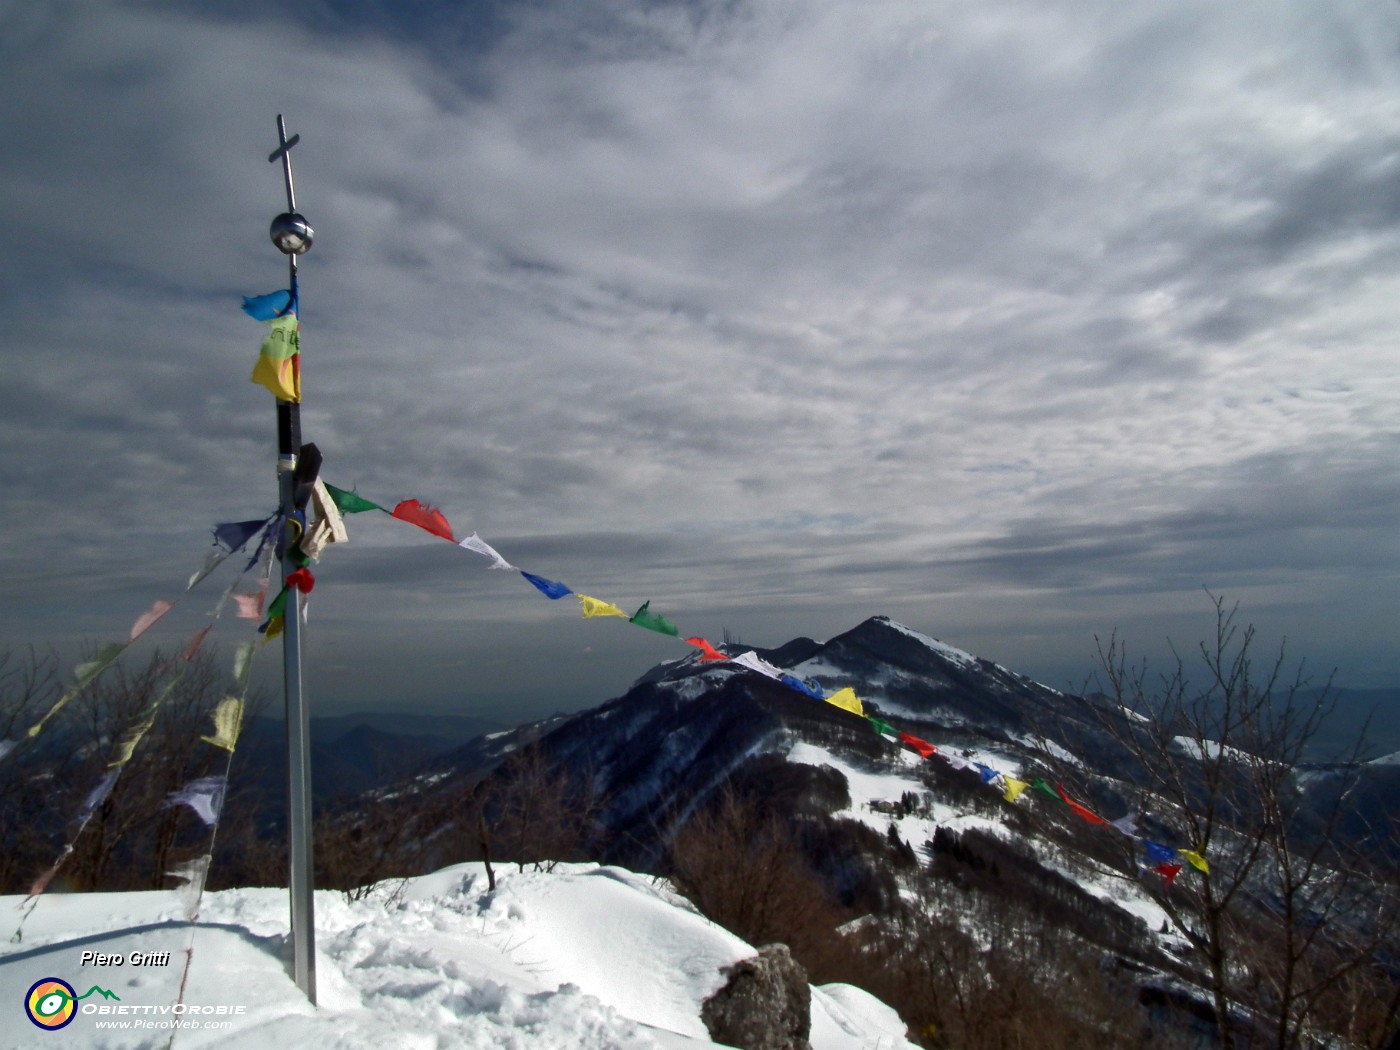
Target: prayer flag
(427, 518)
(1168, 872)
(1083, 812)
(126, 747)
(707, 651)
(1157, 853)
(267, 307)
(803, 687)
(480, 546)
(1198, 860)
(302, 580)
(1039, 784)
(250, 603)
(1013, 788)
(88, 670)
(228, 721)
(923, 747)
(988, 773)
(97, 796)
(953, 759)
(548, 588)
(192, 650)
(644, 617)
(147, 619)
(754, 662)
(847, 700)
(327, 527)
(205, 796)
(279, 365)
(1127, 825)
(351, 502)
(881, 727)
(596, 607)
(232, 535)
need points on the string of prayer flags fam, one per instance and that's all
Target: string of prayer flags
(351, 502)
(480, 546)
(596, 607)
(644, 617)
(1083, 812)
(548, 588)
(707, 651)
(847, 700)
(427, 518)
(1197, 860)
(228, 722)
(923, 747)
(205, 796)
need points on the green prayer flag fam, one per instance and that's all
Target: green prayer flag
(644, 617)
(882, 727)
(1045, 789)
(86, 672)
(351, 502)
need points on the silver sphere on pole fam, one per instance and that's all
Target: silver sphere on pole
(291, 233)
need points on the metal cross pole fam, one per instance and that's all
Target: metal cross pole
(292, 235)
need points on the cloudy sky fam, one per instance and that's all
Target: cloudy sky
(1019, 321)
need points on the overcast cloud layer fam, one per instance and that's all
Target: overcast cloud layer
(1016, 321)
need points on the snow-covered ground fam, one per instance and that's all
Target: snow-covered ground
(582, 957)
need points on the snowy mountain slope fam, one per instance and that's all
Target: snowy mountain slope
(584, 957)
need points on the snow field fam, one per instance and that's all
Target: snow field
(583, 958)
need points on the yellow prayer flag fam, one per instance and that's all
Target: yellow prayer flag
(278, 368)
(847, 700)
(1013, 788)
(594, 607)
(228, 720)
(127, 746)
(1198, 860)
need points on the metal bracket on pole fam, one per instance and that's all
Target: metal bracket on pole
(292, 235)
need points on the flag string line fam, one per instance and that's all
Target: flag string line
(136, 731)
(1165, 860)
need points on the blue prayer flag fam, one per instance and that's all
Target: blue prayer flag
(548, 588)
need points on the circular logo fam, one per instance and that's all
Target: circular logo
(51, 1003)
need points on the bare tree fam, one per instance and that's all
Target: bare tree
(1286, 920)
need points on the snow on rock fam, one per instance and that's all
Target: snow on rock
(582, 957)
(943, 649)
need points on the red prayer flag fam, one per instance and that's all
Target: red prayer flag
(1084, 812)
(1168, 872)
(427, 518)
(707, 651)
(302, 580)
(923, 747)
